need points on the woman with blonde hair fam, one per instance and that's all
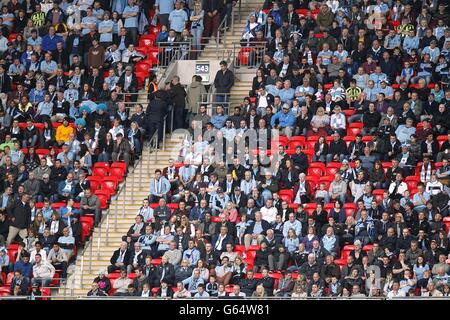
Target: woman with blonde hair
(320, 123)
(188, 228)
(299, 292)
(197, 26)
(231, 213)
(259, 292)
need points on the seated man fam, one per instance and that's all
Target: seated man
(66, 188)
(256, 231)
(67, 243)
(137, 229)
(284, 120)
(164, 240)
(161, 214)
(159, 187)
(120, 258)
(58, 259)
(90, 204)
(43, 271)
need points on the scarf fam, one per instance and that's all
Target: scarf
(158, 186)
(425, 173)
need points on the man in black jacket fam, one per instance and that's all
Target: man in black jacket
(156, 110)
(120, 258)
(337, 149)
(300, 160)
(223, 82)
(20, 218)
(165, 272)
(137, 257)
(248, 285)
(128, 82)
(178, 95)
(4, 226)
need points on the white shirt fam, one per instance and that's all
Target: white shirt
(269, 214)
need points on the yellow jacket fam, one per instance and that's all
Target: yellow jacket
(63, 133)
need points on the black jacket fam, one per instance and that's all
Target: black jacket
(140, 259)
(20, 215)
(178, 95)
(338, 147)
(224, 81)
(169, 273)
(262, 257)
(156, 110)
(115, 256)
(248, 286)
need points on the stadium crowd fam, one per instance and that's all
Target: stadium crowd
(365, 83)
(346, 192)
(68, 80)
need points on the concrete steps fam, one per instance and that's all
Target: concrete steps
(107, 237)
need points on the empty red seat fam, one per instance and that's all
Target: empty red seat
(412, 182)
(122, 165)
(85, 229)
(286, 194)
(103, 197)
(101, 164)
(143, 67)
(244, 56)
(147, 40)
(316, 169)
(349, 208)
(100, 171)
(117, 172)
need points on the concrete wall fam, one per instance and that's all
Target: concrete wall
(185, 69)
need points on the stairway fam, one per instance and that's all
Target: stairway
(243, 75)
(121, 215)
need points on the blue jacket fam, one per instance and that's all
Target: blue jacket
(25, 268)
(165, 186)
(196, 214)
(219, 121)
(61, 186)
(49, 44)
(285, 119)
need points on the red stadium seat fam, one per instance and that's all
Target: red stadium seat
(100, 171)
(42, 152)
(4, 291)
(286, 195)
(412, 182)
(244, 56)
(117, 172)
(85, 230)
(119, 165)
(103, 197)
(101, 164)
(332, 168)
(378, 193)
(302, 12)
(441, 139)
(313, 181)
(349, 208)
(316, 169)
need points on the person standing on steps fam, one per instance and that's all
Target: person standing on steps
(223, 82)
